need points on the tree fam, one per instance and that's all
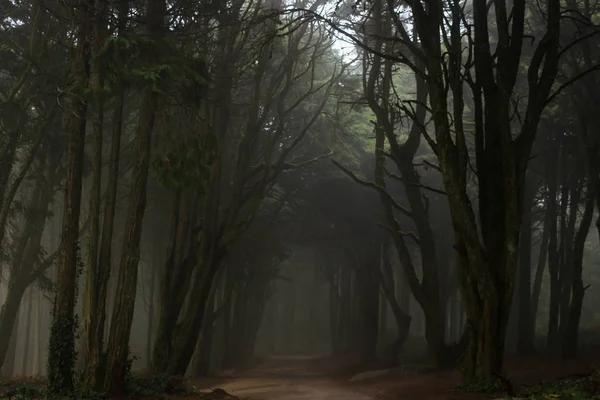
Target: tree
(120, 327)
(381, 94)
(61, 353)
(486, 225)
(99, 259)
(240, 169)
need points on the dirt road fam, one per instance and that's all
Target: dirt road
(305, 378)
(293, 378)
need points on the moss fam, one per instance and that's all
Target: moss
(62, 356)
(61, 348)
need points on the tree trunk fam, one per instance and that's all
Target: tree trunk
(27, 337)
(571, 332)
(93, 310)
(553, 260)
(61, 351)
(175, 278)
(525, 330)
(8, 367)
(120, 328)
(334, 316)
(151, 310)
(204, 347)
(539, 271)
(8, 320)
(192, 320)
(568, 237)
(36, 367)
(368, 274)
(400, 310)
(487, 315)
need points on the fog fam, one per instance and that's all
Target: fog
(296, 194)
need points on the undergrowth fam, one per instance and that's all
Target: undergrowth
(484, 386)
(574, 388)
(137, 386)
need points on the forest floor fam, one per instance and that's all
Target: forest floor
(314, 378)
(304, 378)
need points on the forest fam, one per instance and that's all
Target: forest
(299, 199)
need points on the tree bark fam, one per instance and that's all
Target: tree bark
(175, 278)
(93, 315)
(400, 310)
(553, 259)
(61, 352)
(27, 338)
(192, 320)
(571, 332)
(8, 317)
(541, 264)
(368, 274)
(525, 321)
(120, 328)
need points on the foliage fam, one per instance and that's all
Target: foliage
(21, 389)
(184, 165)
(61, 348)
(127, 64)
(575, 388)
(483, 386)
(153, 385)
(138, 387)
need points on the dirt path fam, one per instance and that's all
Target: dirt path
(293, 389)
(291, 378)
(294, 378)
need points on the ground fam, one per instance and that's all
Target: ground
(302, 378)
(314, 378)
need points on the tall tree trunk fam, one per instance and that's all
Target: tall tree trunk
(8, 367)
(93, 316)
(175, 278)
(61, 352)
(36, 364)
(369, 278)
(27, 338)
(193, 318)
(9, 320)
(120, 328)
(539, 271)
(525, 331)
(568, 237)
(399, 309)
(553, 260)
(151, 310)
(334, 315)
(571, 332)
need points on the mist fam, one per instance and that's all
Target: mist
(299, 199)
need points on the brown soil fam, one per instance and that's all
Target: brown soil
(305, 378)
(278, 381)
